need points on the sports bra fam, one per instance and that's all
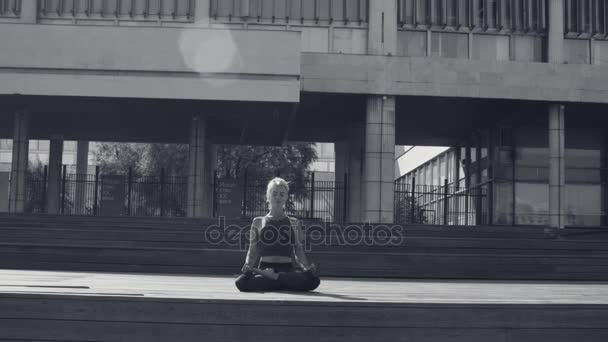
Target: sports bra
(276, 237)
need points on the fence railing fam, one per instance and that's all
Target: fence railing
(84, 194)
(586, 17)
(309, 199)
(441, 204)
(292, 11)
(118, 9)
(10, 8)
(313, 199)
(527, 16)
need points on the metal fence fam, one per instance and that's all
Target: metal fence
(320, 200)
(310, 199)
(316, 11)
(587, 17)
(118, 9)
(84, 194)
(441, 204)
(10, 8)
(529, 16)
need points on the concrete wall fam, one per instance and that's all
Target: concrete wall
(149, 62)
(425, 76)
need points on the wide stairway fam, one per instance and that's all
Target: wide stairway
(208, 246)
(172, 279)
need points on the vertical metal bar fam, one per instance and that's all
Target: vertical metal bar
(146, 8)
(579, 15)
(162, 192)
(44, 180)
(316, 11)
(413, 200)
(244, 209)
(345, 199)
(445, 201)
(486, 14)
(214, 193)
(129, 189)
(63, 178)
(568, 14)
(96, 192)
(287, 10)
(400, 14)
(312, 194)
(467, 182)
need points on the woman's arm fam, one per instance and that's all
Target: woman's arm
(253, 257)
(299, 254)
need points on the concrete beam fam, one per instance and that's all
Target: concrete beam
(422, 76)
(150, 62)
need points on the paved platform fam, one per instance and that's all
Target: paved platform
(344, 290)
(88, 306)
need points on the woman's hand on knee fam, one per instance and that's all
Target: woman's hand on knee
(312, 268)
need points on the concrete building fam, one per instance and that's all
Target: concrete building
(524, 81)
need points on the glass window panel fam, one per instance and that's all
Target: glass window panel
(503, 203)
(583, 205)
(583, 175)
(531, 203)
(43, 145)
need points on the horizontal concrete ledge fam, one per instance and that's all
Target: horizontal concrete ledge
(150, 62)
(420, 76)
(150, 85)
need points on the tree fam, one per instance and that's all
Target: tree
(290, 161)
(261, 163)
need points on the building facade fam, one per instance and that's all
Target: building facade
(525, 78)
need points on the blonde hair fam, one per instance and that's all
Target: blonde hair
(277, 181)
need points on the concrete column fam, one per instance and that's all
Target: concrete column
(29, 11)
(16, 200)
(556, 32)
(201, 12)
(196, 174)
(210, 165)
(379, 160)
(382, 27)
(356, 132)
(557, 167)
(341, 153)
(53, 190)
(82, 163)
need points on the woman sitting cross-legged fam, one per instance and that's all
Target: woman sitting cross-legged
(276, 244)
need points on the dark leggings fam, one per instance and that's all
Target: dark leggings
(289, 279)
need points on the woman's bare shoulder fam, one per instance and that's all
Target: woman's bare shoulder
(257, 221)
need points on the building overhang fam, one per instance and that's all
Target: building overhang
(463, 78)
(150, 62)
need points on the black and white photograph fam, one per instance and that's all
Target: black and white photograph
(304, 170)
